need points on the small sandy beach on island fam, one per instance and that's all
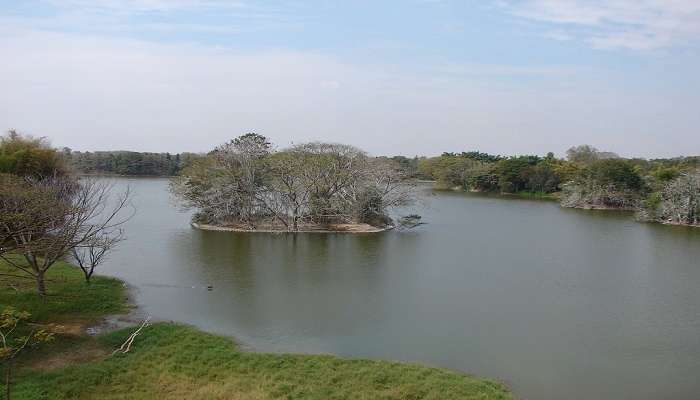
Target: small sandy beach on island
(331, 228)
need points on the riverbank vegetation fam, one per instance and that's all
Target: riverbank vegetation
(658, 190)
(178, 362)
(246, 184)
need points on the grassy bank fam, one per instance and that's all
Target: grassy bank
(178, 362)
(68, 297)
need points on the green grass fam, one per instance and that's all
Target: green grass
(171, 361)
(178, 362)
(68, 296)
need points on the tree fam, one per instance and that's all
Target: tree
(677, 203)
(541, 178)
(387, 187)
(585, 154)
(14, 340)
(617, 172)
(26, 207)
(30, 157)
(512, 172)
(287, 177)
(241, 158)
(90, 254)
(605, 183)
(451, 170)
(46, 220)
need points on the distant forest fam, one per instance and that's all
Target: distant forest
(128, 162)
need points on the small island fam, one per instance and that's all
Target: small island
(246, 186)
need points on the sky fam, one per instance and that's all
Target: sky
(412, 77)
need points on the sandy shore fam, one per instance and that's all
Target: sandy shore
(333, 228)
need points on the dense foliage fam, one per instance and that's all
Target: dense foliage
(244, 183)
(662, 190)
(128, 162)
(30, 157)
(489, 173)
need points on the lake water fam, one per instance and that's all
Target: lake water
(556, 303)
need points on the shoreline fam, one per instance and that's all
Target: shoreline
(345, 228)
(181, 361)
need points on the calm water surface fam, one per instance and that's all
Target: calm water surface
(557, 303)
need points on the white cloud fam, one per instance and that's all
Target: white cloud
(115, 17)
(94, 93)
(618, 24)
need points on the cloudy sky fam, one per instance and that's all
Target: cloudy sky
(393, 77)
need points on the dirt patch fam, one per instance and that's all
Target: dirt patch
(72, 328)
(89, 351)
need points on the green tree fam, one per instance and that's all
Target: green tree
(513, 172)
(15, 337)
(30, 157)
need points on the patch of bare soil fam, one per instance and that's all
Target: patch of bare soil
(72, 328)
(88, 351)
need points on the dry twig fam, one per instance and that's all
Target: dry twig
(126, 346)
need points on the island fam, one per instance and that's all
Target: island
(246, 186)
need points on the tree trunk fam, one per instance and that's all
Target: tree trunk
(8, 378)
(40, 283)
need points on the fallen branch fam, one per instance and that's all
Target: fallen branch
(126, 346)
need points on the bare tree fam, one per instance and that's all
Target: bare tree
(585, 154)
(241, 158)
(95, 250)
(71, 215)
(681, 200)
(27, 208)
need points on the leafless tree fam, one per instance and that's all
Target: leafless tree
(590, 194)
(681, 200)
(27, 208)
(585, 154)
(241, 157)
(59, 216)
(94, 251)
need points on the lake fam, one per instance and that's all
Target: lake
(556, 303)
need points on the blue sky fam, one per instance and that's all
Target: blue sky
(411, 77)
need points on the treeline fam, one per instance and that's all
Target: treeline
(128, 162)
(662, 190)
